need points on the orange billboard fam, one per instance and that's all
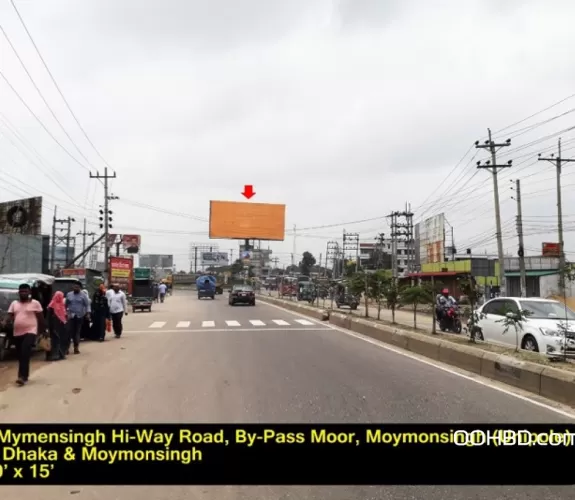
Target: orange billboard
(238, 220)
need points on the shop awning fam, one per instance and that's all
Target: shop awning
(531, 274)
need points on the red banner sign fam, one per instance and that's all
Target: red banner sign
(551, 250)
(121, 270)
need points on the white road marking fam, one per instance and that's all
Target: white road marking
(208, 324)
(227, 330)
(232, 323)
(157, 324)
(304, 322)
(257, 322)
(183, 324)
(280, 322)
(563, 410)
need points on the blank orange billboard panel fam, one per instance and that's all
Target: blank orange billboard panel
(242, 220)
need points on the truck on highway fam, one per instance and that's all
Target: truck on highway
(142, 296)
(206, 286)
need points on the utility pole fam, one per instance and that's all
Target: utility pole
(293, 256)
(60, 225)
(195, 260)
(380, 238)
(83, 234)
(106, 213)
(521, 250)
(494, 169)
(68, 236)
(558, 160)
(53, 249)
(402, 231)
(351, 244)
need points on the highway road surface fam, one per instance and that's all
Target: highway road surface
(205, 361)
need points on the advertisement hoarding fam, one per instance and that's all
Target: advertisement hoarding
(242, 220)
(63, 255)
(121, 269)
(551, 250)
(432, 240)
(21, 253)
(214, 259)
(21, 216)
(156, 260)
(131, 243)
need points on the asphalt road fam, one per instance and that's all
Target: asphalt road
(191, 361)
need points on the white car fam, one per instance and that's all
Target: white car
(548, 328)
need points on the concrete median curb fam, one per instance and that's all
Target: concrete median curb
(551, 383)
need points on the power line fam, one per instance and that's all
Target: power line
(21, 99)
(57, 86)
(42, 96)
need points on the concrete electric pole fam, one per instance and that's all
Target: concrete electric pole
(558, 161)
(494, 169)
(83, 234)
(521, 251)
(106, 215)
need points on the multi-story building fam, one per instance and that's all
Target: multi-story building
(369, 256)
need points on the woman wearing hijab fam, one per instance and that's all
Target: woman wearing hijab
(57, 327)
(100, 313)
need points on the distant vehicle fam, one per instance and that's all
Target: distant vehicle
(242, 294)
(206, 286)
(548, 328)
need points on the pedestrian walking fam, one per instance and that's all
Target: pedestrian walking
(78, 309)
(28, 320)
(86, 331)
(57, 327)
(118, 307)
(162, 289)
(100, 313)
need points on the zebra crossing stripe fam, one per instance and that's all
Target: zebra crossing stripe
(304, 322)
(158, 324)
(183, 324)
(233, 323)
(280, 322)
(208, 324)
(257, 322)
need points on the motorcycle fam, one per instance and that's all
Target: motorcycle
(450, 321)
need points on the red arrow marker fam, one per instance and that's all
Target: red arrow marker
(248, 191)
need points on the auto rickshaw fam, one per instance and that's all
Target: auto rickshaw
(41, 285)
(306, 291)
(344, 297)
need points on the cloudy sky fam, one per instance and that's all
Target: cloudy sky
(344, 110)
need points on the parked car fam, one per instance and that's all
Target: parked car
(548, 328)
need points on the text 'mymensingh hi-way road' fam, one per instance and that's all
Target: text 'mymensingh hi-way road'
(249, 373)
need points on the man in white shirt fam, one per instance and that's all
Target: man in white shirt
(162, 289)
(118, 306)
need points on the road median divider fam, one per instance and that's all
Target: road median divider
(537, 378)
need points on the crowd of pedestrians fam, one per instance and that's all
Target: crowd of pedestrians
(69, 319)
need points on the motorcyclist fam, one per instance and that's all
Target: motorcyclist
(443, 302)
